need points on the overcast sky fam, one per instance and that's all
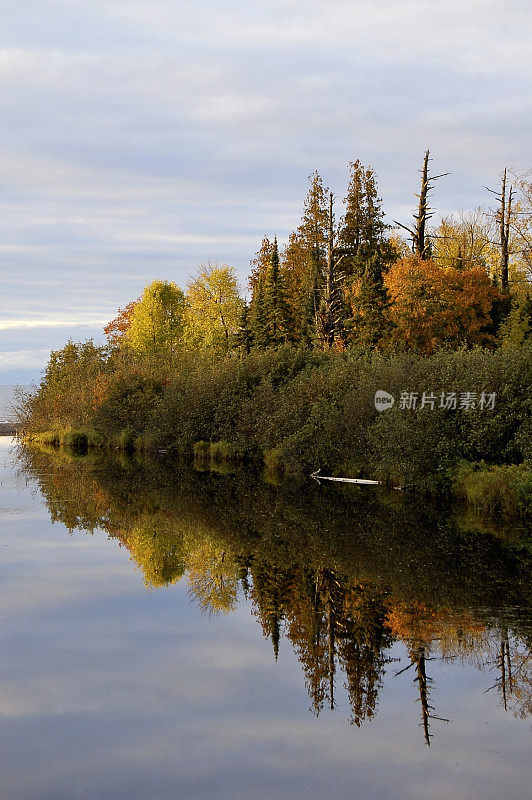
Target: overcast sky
(140, 138)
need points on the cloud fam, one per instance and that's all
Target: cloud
(23, 359)
(142, 138)
(69, 321)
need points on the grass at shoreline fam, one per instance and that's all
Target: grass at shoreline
(503, 490)
(296, 411)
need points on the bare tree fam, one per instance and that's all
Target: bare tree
(503, 217)
(329, 315)
(420, 241)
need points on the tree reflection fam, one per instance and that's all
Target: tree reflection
(342, 576)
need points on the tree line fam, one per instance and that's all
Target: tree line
(355, 281)
(288, 376)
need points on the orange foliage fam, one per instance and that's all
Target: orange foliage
(418, 625)
(414, 623)
(433, 305)
(100, 386)
(117, 328)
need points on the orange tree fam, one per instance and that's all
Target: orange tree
(433, 305)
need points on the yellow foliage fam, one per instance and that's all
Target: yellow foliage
(214, 308)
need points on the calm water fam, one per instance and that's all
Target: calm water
(174, 634)
(7, 397)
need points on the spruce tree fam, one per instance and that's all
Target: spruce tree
(244, 336)
(332, 311)
(304, 262)
(256, 315)
(278, 320)
(308, 305)
(362, 233)
(370, 302)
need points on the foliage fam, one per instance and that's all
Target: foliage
(503, 488)
(433, 305)
(158, 319)
(308, 409)
(214, 309)
(464, 241)
(117, 329)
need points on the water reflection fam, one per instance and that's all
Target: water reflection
(340, 575)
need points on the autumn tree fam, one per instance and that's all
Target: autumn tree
(521, 226)
(158, 318)
(72, 384)
(117, 329)
(156, 550)
(214, 308)
(432, 306)
(212, 576)
(463, 240)
(516, 328)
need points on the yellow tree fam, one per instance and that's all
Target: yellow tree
(157, 319)
(214, 308)
(464, 241)
(212, 576)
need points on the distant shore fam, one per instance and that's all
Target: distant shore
(8, 429)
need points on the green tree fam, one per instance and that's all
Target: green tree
(278, 319)
(256, 317)
(369, 301)
(362, 232)
(244, 335)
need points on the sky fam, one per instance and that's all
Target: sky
(142, 138)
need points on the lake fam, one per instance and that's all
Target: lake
(7, 397)
(177, 633)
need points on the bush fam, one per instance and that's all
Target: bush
(297, 410)
(506, 489)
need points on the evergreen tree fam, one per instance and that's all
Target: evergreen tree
(260, 263)
(332, 311)
(315, 221)
(304, 262)
(362, 233)
(278, 321)
(256, 317)
(369, 302)
(308, 304)
(244, 336)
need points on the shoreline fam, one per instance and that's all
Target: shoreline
(8, 429)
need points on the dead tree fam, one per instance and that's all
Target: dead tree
(418, 660)
(420, 241)
(504, 216)
(329, 315)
